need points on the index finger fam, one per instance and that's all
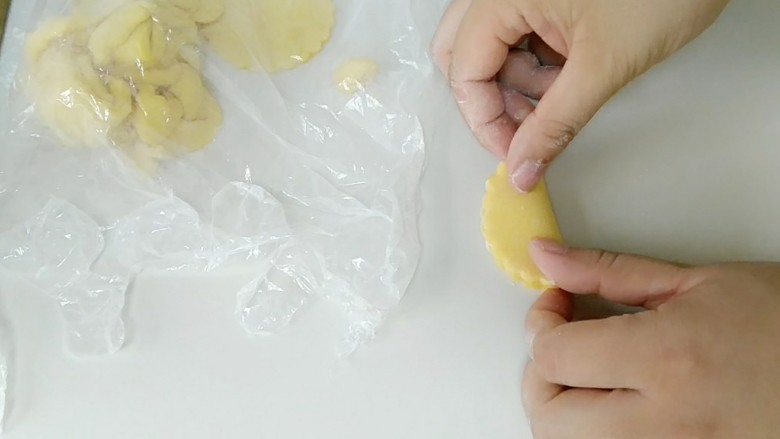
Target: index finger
(552, 309)
(444, 39)
(619, 352)
(481, 46)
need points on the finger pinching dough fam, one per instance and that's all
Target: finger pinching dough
(271, 34)
(131, 78)
(354, 74)
(510, 221)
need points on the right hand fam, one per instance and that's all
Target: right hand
(699, 362)
(605, 44)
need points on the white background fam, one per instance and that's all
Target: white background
(684, 164)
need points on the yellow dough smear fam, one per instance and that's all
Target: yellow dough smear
(273, 35)
(510, 221)
(354, 74)
(131, 78)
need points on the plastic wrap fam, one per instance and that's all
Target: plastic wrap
(314, 188)
(5, 351)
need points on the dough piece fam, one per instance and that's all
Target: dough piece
(174, 110)
(118, 30)
(353, 75)
(510, 220)
(71, 95)
(202, 11)
(131, 78)
(142, 35)
(96, 8)
(61, 31)
(271, 34)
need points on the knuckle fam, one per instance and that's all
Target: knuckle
(558, 133)
(606, 261)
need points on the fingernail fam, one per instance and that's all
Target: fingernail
(527, 176)
(549, 246)
(460, 93)
(529, 340)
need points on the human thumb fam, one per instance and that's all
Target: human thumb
(580, 90)
(623, 278)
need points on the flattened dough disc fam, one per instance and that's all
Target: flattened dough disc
(510, 221)
(271, 34)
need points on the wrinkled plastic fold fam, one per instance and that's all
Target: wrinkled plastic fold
(142, 154)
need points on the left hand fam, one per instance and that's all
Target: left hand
(703, 360)
(579, 54)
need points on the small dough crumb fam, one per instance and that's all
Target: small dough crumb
(353, 75)
(510, 221)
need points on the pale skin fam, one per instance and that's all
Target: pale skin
(581, 53)
(700, 362)
(702, 359)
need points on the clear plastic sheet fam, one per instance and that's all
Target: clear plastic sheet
(5, 354)
(315, 189)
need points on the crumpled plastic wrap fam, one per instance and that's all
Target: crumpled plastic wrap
(315, 189)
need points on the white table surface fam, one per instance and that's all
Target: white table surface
(683, 164)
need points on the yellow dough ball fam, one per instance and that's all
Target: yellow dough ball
(510, 221)
(354, 74)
